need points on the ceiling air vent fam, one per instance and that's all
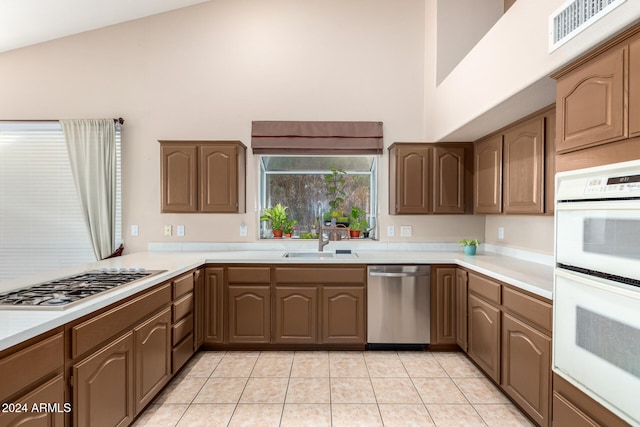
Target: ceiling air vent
(574, 16)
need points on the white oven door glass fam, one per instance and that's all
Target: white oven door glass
(596, 340)
(599, 236)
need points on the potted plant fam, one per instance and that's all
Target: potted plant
(288, 226)
(357, 221)
(469, 245)
(277, 215)
(335, 192)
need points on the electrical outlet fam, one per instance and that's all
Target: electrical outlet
(134, 230)
(391, 231)
(243, 230)
(168, 230)
(501, 233)
(405, 231)
(180, 230)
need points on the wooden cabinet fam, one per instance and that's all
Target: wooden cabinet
(634, 87)
(213, 305)
(488, 175)
(182, 337)
(524, 168)
(484, 336)
(198, 308)
(33, 375)
(248, 304)
(320, 305)
(203, 176)
(152, 340)
(103, 385)
(590, 102)
(443, 305)
(296, 313)
(343, 315)
(427, 178)
(514, 169)
(461, 308)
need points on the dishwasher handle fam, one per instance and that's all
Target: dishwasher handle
(380, 273)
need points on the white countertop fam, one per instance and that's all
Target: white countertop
(19, 325)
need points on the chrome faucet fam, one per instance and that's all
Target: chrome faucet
(321, 242)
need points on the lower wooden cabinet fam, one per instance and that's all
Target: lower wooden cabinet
(526, 367)
(249, 314)
(50, 393)
(153, 357)
(343, 315)
(443, 291)
(484, 336)
(213, 319)
(103, 385)
(296, 314)
(461, 308)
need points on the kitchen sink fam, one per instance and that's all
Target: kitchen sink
(319, 255)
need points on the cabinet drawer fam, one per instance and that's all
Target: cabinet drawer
(486, 288)
(31, 364)
(182, 285)
(536, 312)
(249, 275)
(182, 307)
(319, 275)
(182, 329)
(94, 331)
(181, 353)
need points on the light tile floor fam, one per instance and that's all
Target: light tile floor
(334, 388)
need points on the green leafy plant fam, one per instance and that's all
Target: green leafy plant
(335, 191)
(288, 225)
(469, 242)
(277, 215)
(358, 219)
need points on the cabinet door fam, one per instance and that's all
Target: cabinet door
(249, 313)
(153, 357)
(413, 181)
(50, 393)
(590, 102)
(198, 322)
(213, 305)
(296, 314)
(179, 178)
(634, 88)
(526, 368)
(103, 385)
(524, 168)
(449, 176)
(550, 161)
(443, 288)
(484, 336)
(218, 178)
(461, 308)
(342, 320)
(488, 176)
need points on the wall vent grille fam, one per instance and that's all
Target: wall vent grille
(574, 16)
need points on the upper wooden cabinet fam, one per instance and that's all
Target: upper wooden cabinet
(514, 168)
(598, 105)
(524, 168)
(591, 102)
(203, 176)
(427, 178)
(488, 175)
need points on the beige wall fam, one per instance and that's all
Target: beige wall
(207, 71)
(532, 233)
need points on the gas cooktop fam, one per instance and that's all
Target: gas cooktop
(63, 293)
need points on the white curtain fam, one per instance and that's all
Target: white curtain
(92, 152)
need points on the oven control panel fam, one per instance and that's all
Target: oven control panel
(623, 185)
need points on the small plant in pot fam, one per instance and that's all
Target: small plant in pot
(469, 245)
(335, 182)
(288, 226)
(277, 215)
(357, 221)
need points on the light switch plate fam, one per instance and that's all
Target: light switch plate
(243, 230)
(134, 230)
(406, 231)
(391, 231)
(168, 230)
(501, 233)
(180, 230)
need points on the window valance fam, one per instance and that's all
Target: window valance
(298, 137)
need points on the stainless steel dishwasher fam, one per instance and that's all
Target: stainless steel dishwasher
(398, 301)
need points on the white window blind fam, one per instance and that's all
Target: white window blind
(41, 225)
